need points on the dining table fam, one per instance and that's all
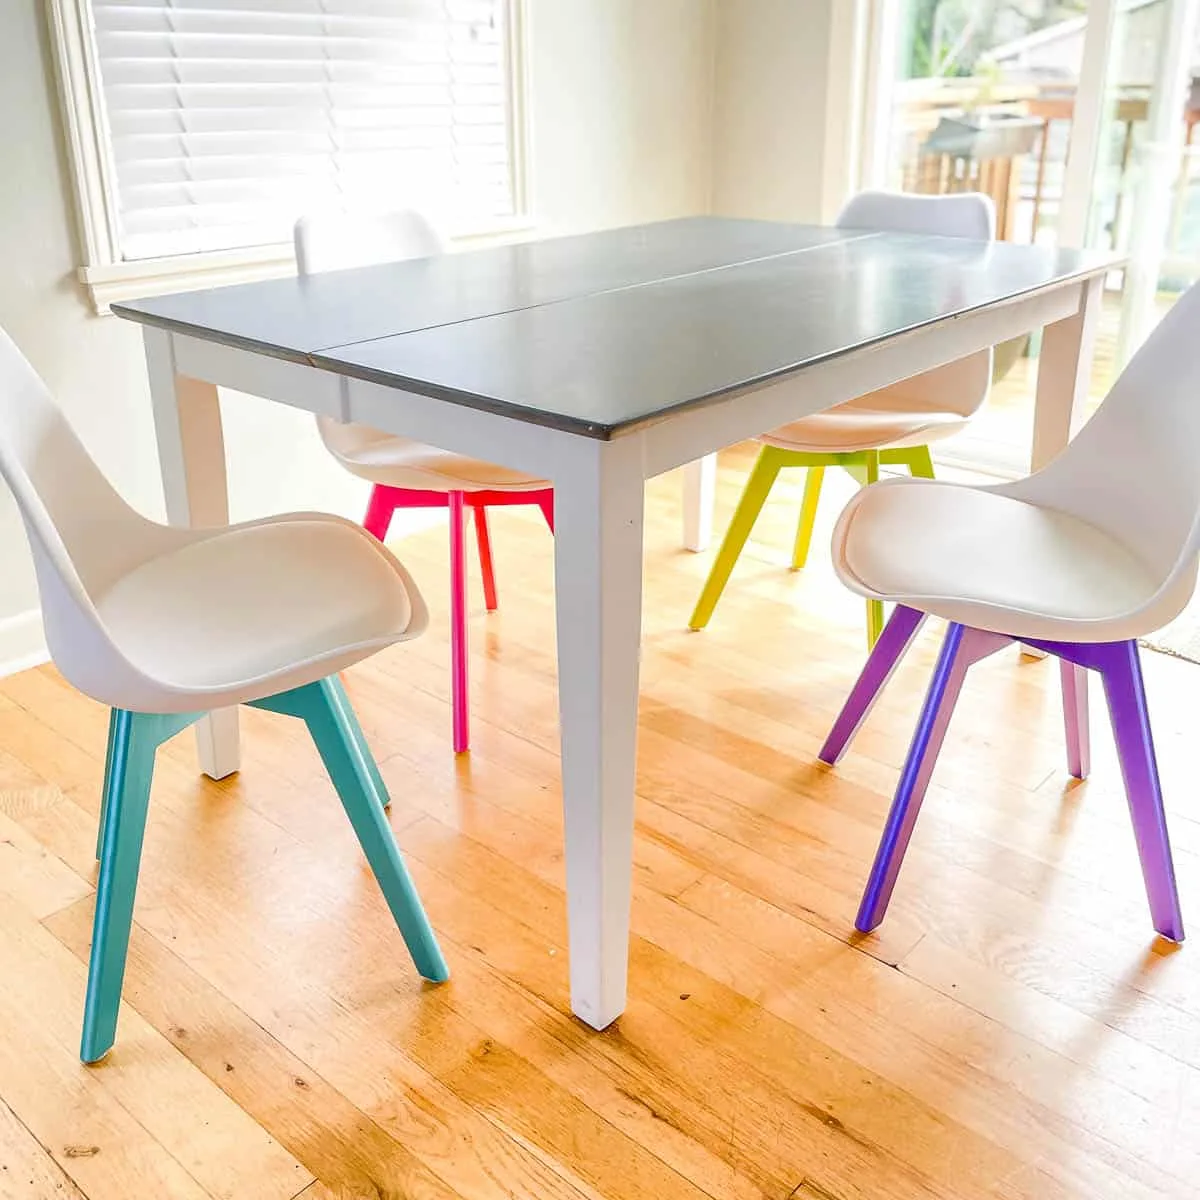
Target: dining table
(598, 361)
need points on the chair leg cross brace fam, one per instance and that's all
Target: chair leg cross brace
(1119, 667)
(134, 739)
(862, 465)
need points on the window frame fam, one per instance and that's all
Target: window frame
(109, 278)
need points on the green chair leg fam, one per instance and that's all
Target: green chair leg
(920, 462)
(874, 607)
(133, 740)
(762, 477)
(324, 708)
(808, 516)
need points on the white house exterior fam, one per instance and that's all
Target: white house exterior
(1055, 52)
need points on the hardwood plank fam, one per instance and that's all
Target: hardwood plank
(29, 873)
(214, 1141)
(27, 1172)
(352, 1155)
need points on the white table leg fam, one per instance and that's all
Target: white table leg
(191, 455)
(598, 587)
(699, 496)
(1064, 374)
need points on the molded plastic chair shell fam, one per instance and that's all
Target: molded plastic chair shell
(153, 618)
(927, 407)
(1100, 545)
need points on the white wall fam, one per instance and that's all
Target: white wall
(619, 108)
(784, 115)
(92, 365)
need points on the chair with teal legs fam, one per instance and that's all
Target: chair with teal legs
(165, 624)
(890, 427)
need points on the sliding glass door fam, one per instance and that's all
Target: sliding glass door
(1076, 116)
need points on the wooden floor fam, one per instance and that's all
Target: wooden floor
(1013, 1030)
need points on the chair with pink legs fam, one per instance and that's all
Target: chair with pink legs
(408, 474)
(1078, 560)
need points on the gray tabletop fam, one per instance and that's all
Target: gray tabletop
(295, 317)
(598, 333)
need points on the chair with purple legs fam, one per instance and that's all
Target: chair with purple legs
(406, 473)
(1078, 560)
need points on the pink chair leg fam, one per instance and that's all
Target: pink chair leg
(483, 537)
(458, 624)
(380, 508)
(1075, 717)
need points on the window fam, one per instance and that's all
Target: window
(200, 129)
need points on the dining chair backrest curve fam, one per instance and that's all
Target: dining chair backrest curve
(82, 534)
(337, 241)
(961, 386)
(1134, 469)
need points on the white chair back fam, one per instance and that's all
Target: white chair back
(962, 386)
(961, 215)
(1134, 468)
(338, 241)
(82, 534)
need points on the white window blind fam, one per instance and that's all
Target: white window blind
(230, 118)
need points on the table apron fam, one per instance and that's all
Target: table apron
(668, 441)
(687, 435)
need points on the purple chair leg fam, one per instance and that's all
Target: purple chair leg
(962, 647)
(1075, 717)
(887, 652)
(1121, 671)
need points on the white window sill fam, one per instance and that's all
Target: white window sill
(111, 283)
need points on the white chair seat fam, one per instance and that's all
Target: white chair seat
(992, 561)
(266, 606)
(402, 462)
(864, 424)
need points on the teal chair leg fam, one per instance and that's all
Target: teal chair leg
(108, 772)
(813, 479)
(338, 694)
(324, 708)
(133, 741)
(762, 477)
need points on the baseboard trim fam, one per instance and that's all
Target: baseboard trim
(22, 642)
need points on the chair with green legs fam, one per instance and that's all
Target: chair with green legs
(890, 427)
(166, 624)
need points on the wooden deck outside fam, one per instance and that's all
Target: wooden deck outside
(1012, 1031)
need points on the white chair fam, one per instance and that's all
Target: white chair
(892, 426)
(1079, 560)
(164, 624)
(406, 473)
